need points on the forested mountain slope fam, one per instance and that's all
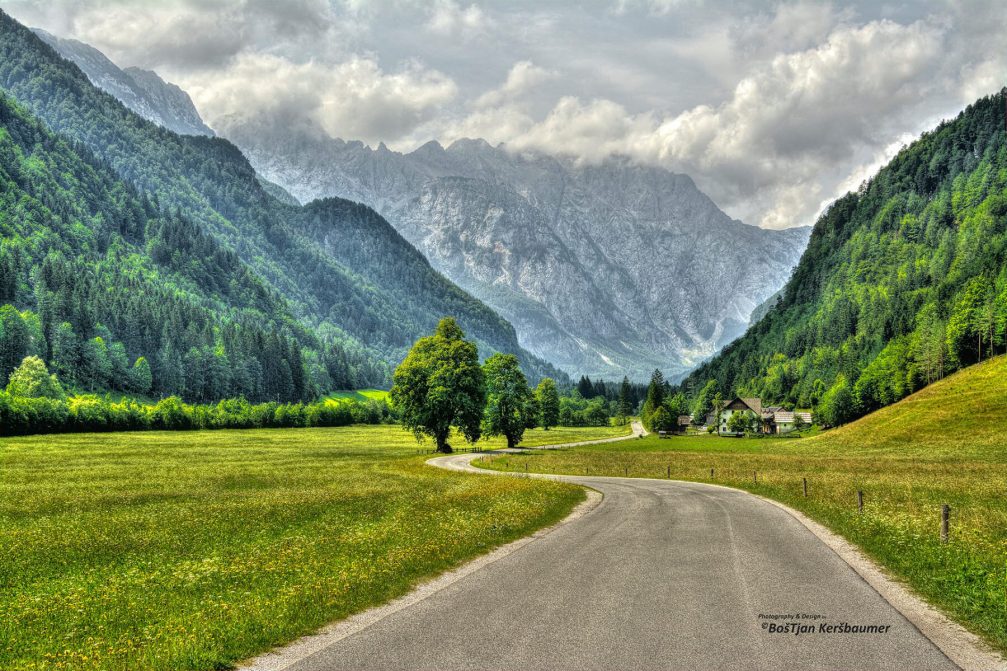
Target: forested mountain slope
(94, 276)
(312, 257)
(902, 282)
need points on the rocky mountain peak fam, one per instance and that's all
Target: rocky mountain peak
(606, 269)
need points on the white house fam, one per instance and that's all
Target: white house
(749, 406)
(772, 419)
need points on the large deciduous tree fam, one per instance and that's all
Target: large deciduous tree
(740, 422)
(32, 380)
(507, 398)
(548, 403)
(440, 384)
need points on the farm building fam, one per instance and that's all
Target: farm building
(771, 419)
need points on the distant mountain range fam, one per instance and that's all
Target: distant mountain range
(606, 269)
(176, 245)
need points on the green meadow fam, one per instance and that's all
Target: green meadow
(946, 444)
(361, 395)
(195, 550)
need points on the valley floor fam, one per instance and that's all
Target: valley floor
(193, 550)
(943, 445)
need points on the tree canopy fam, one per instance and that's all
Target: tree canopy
(32, 380)
(441, 385)
(507, 399)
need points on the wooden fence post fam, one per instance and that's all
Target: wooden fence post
(755, 477)
(860, 501)
(711, 474)
(625, 470)
(945, 522)
(669, 472)
(805, 486)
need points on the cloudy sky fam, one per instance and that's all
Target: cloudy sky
(774, 108)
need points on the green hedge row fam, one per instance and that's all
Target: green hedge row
(21, 416)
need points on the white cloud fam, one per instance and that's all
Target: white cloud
(764, 151)
(449, 19)
(185, 34)
(353, 99)
(522, 78)
(773, 106)
(654, 7)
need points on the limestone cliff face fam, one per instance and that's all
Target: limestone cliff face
(607, 270)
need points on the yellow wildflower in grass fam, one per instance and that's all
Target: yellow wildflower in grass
(195, 550)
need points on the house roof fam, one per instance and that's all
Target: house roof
(684, 420)
(753, 404)
(786, 417)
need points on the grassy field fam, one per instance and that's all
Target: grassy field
(946, 444)
(195, 550)
(359, 395)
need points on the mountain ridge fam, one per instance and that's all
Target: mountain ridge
(561, 250)
(142, 91)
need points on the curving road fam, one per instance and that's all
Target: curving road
(659, 575)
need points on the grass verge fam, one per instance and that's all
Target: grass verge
(943, 445)
(196, 550)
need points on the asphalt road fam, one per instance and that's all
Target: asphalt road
(660, 575)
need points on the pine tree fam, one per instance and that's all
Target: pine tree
(625, 400)
(15, 341)
(95, 364)
(656, 392)
(140, 377)
(66, 353)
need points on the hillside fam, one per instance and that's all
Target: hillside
(605, 269)
(903, 282)
(959, 416)
(109, 279)
(329, 263)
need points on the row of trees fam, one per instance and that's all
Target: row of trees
(441, 385)
(34, 401)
